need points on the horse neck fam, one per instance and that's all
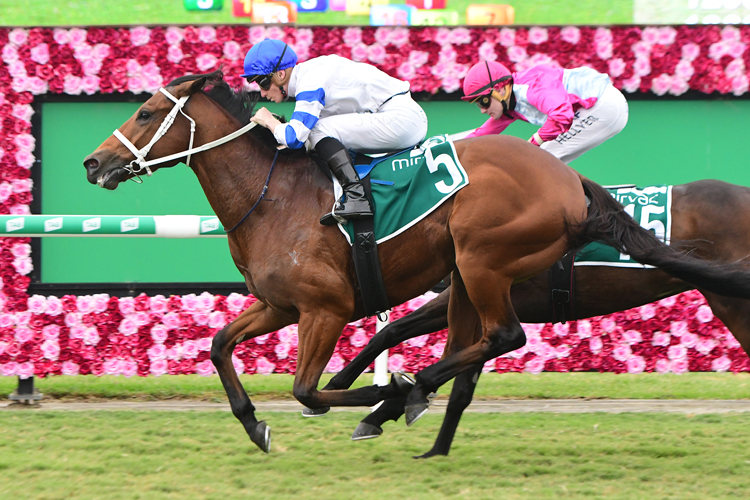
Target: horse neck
(232, 175)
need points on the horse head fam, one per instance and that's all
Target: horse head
(156, 130)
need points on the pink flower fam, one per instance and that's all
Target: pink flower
(395, 363)
(739, 85)
(534, 344)
(60, 36)
(704, 314)
(282, 350)
(487, 52)
(359, 338)
(206, 302)
(596, 344)
(40, 54)
(157, 352)
(206, 62)
(460, 36)
(636, 364)
(730, 34)
(8, 369)
(359, 52)
(650, 35)
(721, 364)
(622, 352)
(175, 352)
(101, 302)
(584, 328)
(679, 365)
(232, 50)
(72, 319)
(159, 367)
(437, 349)
(128, 326)
(305, 36)
(239, 366)
(140, 35)
(190, 349)
(735, 68)
(562, 351)
(136, 84)
(201, 318)
(69, 368)
(23, 334)
(661, 339)
(641, 50)
(689, 340)
(678, 328)
(535, 366)
(263, 366)
(677, 351)
(608, 325)
(662, 366)
(616, 68)
(126, 305)
(336, 364)
(207, 34)
(419, 341)
(174, 54)
(538, 35)
(90, 84)
(684, 70)
(705, 345)
(489, 366)
(667, 35)
(24, 159)
(506, 37)
(23, 112)
(376, 53)
(77, 36)
(171, 320)
(85, 304)
(204, 344)
(37, 304)
(352, 36)
(25, 370)
(22, 185)
(173, 35)
(736, 49)
(570, 34)
(112, 366)
(560, 329)
(5, 191)
(399, 36)
(91, 67)
(690, 51)
(406, 71)
(77, 331)
(604, 50)
(631, 336)
(642, 66)
(100, 51)
(158, 304)
(204, 368)
(91, 336)
(217, 319)
(51, 332)
(10, 54)
(717, 50)
(129, 368)
(235, 302)
(84, 51)
(23, 266)
(661, 84)
(18, 36)
(257, 33)
(517, 53)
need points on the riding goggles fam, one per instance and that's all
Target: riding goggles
(483, 101)
(265, 81)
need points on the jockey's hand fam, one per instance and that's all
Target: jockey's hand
(536, 140)
(265, 118)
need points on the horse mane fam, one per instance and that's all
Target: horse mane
(238, 103)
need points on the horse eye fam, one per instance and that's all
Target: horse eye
(144, 115)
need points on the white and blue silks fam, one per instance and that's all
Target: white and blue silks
(356, 103)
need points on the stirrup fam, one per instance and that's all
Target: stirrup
(331, 219)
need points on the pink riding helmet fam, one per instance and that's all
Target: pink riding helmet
(483, 77)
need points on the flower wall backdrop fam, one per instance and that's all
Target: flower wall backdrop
(157, 335)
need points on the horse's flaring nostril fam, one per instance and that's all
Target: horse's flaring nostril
(91, 163)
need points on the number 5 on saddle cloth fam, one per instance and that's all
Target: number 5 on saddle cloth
(404, 188)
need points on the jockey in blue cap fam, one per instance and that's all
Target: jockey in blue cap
(340, 105)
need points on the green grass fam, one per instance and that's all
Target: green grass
(491, 386)
(194, 455)
(158, 12)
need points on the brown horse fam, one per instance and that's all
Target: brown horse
(710, 218)
(522, 211)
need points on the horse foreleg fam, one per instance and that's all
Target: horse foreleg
(318, 334)
(258, 319)
(431, 317)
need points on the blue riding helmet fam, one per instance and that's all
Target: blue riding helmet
(268, 56)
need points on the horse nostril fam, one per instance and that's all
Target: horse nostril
(91, 164)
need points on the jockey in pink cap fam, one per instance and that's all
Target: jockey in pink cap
(576, 109)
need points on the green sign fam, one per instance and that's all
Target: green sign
(203, 4)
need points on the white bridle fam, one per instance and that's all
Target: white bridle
(139, 164)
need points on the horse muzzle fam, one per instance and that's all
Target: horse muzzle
(104, 173)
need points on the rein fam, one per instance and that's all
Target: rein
(139, 164)
(262, 195)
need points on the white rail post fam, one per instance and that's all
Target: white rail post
(381, 362)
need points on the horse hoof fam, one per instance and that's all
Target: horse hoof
(315, 412)
(261, 436)
(366, 431)
(415, 412)
(403, 382)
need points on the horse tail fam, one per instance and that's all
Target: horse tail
(608, 223)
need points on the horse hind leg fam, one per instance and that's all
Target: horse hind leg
(256, 320)
(735, 314)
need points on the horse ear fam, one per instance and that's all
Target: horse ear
(197, 85)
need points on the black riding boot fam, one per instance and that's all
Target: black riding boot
(357, 205)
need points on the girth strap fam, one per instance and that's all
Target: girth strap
(562, 286)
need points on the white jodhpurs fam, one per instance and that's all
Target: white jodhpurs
(591, 127)
(400, 123)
